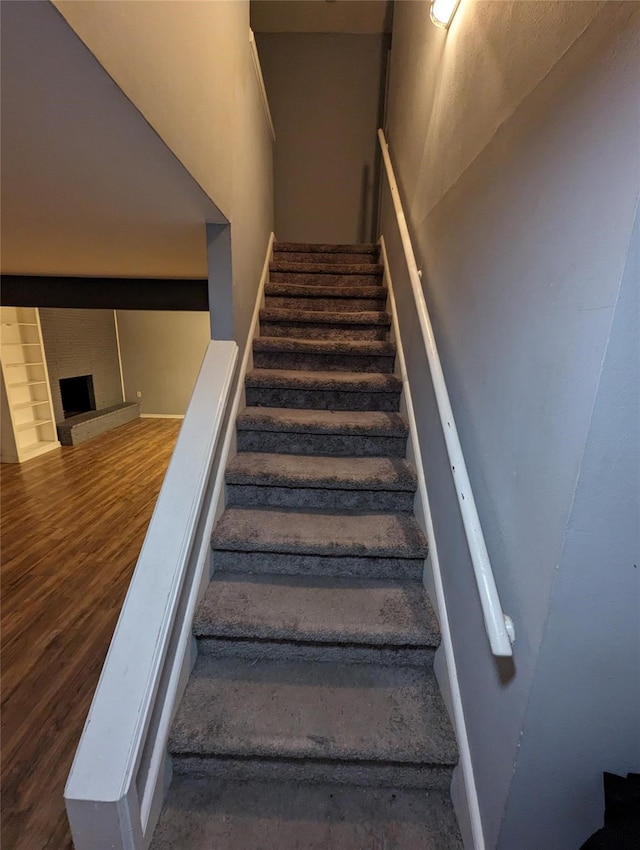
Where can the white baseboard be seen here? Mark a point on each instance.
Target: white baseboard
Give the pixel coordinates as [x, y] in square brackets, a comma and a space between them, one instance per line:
[162, 416]
[464, 793]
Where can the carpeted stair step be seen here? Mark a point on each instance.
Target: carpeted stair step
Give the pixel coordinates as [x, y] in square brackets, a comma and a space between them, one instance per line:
[322, 390]
[302, 252]
[280, 618]
[214, 813]
[313, 324]
[293, 296]
[324, 355]
[320, 483]
[371, 546]
[362, 724]
[322, 432]
[326, 274]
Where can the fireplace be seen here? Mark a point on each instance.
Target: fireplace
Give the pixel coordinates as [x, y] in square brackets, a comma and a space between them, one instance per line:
[77, 395]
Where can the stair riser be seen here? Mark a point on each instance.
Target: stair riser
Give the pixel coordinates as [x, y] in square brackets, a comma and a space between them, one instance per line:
[329, 445]
[252, 496]
[323, 362]
[322, 399]
[290, 564]
[317, 257]
[326, 279]
[336, 305]
[381, 775]
[265, 650]
[324, 330]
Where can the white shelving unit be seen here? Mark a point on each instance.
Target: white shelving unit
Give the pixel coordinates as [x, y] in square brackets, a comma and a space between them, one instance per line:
[28, 423]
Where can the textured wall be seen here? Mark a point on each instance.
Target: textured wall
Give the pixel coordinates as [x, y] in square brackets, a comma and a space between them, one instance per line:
[515, 140]
[324, 91]
[82, 342]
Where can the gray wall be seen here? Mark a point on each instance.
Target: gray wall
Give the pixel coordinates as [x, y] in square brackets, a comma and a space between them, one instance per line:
[82, 342]
[514, 136]
[187, 68]
[161, 355]
[585, 695]
[324, 93]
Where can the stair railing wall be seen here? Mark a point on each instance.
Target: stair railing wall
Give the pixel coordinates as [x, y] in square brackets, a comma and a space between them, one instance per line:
[121, 771]
[499, 626]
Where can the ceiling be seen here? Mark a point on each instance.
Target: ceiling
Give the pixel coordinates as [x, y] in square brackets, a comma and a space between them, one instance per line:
[362, 17]
[88, 187]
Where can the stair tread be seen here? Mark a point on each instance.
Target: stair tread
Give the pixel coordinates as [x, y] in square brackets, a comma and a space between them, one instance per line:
[300, 290]
[376, 348]
[363, 535]
[203, 812]
[354, 422]
[342, 269]
[317, 610]
[325, 317]
[322, 248]
[302, 379]
[341, 473]
[313, 710]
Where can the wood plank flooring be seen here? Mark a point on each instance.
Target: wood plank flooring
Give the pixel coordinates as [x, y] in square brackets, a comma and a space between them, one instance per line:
[73, 522]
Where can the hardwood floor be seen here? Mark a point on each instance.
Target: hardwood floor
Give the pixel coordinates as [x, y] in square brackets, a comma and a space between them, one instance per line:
[73, 522]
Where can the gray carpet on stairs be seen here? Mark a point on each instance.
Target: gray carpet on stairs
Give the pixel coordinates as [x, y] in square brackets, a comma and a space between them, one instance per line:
[323, 355]
[312, 718]
[206, 814]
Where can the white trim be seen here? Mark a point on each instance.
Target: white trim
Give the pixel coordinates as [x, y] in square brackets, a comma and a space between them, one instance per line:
[162, 416]
[263, 91]
[121, 770]
[115, 322]
[450, 684]
[117, 781]
[499, 626]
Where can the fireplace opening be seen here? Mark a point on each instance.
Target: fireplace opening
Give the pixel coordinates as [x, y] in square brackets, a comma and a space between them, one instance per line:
[77, 395]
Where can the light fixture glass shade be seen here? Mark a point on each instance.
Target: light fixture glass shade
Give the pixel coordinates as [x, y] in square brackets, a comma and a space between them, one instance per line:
[442, 12]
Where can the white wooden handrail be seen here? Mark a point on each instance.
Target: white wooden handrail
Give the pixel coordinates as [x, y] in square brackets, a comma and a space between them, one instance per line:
[498, 625]
[263, 89]
[112, 801]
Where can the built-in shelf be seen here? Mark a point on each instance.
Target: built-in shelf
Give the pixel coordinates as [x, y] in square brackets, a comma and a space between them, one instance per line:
[36, 423]
[27, 405]
[21, 335]
[38, 448]
[25, 384]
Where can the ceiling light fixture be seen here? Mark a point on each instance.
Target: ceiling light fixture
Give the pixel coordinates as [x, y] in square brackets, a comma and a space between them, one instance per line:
[442, 12]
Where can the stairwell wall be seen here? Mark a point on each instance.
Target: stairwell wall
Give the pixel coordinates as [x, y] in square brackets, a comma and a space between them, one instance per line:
[161, 353]
[187, 68]
[514, 136]
[325, 91]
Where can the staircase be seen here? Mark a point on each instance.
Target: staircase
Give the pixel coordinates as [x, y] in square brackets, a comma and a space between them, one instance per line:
[312, 718]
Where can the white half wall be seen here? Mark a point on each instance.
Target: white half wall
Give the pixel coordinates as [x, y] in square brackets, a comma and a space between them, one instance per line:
[161, 353]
